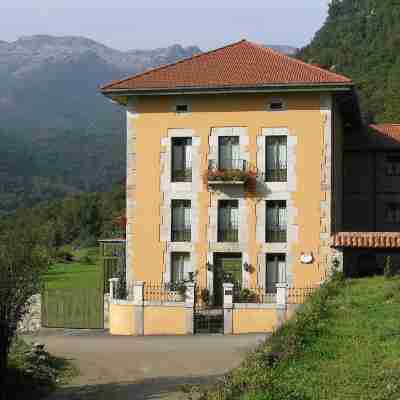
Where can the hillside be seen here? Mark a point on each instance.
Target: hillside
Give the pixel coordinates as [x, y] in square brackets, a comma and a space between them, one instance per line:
[361, 39]
[59, 135]
[343, 344]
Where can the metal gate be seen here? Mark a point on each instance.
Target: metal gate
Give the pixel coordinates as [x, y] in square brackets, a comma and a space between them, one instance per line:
[207, 318]
[80, 308]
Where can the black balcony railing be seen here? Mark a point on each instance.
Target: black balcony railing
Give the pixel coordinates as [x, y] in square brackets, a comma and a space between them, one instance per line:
[276, 175]
[182, 175]
[228, 235]
[181, 235]
[227, 164]
[276, 235]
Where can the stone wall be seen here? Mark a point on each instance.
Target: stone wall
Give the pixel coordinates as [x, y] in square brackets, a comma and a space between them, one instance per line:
[32, 321]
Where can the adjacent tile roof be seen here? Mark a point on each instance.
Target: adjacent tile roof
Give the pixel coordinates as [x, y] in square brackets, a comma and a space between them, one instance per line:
[367, 239]
[377, 137]
[238, 65]
[388, 130]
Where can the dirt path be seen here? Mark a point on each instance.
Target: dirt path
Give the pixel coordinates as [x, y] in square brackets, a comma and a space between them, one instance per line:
[136, 368]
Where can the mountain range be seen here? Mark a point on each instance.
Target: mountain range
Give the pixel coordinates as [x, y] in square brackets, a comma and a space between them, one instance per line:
[59, 134]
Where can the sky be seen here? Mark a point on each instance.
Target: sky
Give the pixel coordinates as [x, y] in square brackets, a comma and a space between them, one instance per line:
[133, 24]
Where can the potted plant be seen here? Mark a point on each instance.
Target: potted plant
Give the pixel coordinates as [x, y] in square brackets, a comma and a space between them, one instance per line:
[178, 290]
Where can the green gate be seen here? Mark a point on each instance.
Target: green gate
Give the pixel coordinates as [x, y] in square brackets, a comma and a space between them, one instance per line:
[78, 308]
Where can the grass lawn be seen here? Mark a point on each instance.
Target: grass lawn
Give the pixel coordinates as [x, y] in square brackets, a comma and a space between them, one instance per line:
[84, 272]
[345, 345]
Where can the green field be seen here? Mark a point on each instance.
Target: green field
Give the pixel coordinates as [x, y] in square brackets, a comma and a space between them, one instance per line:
[85, 271]
[344, 344]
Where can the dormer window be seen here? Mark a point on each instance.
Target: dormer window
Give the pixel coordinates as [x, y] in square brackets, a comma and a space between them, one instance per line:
[181, 108]
[276, 105]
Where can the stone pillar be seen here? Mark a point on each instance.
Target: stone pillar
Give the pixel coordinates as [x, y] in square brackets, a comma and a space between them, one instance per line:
[281, 301]
[113, 287]
[138, 309]
[189, 305]
[228, 308]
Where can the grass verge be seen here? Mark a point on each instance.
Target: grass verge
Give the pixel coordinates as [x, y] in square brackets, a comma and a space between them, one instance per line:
[343, 344]
[33, 377]
[83, 272]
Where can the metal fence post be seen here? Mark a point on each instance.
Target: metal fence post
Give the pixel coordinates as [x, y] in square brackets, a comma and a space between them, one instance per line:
[228, 306]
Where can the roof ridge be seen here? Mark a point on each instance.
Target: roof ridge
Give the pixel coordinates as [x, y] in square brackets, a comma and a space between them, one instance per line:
[161, 67]
[301, 62]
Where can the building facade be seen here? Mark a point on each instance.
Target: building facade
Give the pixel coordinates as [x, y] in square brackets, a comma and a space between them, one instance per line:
[235, 169]
[371, 199]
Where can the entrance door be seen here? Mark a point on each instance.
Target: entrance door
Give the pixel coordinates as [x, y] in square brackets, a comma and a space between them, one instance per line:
[227, 268]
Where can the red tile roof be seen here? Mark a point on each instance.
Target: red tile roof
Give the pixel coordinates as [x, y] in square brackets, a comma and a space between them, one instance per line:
[388, 130]
[367, 239]
[238, 65]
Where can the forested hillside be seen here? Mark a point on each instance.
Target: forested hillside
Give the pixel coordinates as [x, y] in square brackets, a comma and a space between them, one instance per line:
[58, 135]
[73, 220]
[361, 39]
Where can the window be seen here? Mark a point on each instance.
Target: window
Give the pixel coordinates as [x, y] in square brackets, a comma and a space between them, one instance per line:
[229, 153]
[276, 225]
[276, 158]
[276, 271]
[228, 221]
[392, 214]
[181, 160]
[181, 108]
[181, 221]
[393, 165]
[276, 105]
[180, 266]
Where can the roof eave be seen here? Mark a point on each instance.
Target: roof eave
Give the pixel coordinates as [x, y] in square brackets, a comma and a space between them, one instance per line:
[323, 87]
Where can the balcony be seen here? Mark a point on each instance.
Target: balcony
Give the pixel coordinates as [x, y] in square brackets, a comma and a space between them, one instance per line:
[228, 235]
[182, 175]
[181, 234]
[229, 172]
[276, 235]
[276, 175]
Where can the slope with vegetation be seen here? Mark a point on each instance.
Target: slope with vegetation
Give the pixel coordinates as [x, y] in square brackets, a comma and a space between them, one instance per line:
[361, 39]
[343, 344]
[58, 135]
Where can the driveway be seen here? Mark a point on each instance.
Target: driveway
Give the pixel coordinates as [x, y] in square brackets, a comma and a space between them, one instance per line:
[136, 368]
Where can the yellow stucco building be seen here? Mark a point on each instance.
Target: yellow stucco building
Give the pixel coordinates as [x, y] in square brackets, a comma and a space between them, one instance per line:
[234, 169]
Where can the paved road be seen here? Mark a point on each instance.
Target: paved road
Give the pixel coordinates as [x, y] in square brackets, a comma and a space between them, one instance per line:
[142, 368]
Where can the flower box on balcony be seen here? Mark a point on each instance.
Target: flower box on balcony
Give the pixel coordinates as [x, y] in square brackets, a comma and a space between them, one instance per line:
[235, 176]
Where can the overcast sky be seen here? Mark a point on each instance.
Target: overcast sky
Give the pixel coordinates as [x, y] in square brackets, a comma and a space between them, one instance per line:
[133, 24]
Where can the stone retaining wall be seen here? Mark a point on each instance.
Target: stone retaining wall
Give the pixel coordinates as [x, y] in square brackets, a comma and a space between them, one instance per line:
[32, 321]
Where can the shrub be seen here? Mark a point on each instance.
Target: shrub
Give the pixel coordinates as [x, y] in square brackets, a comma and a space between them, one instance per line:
[23, 259]
[86, 259]
[388, 270]
[64, 254]
[247, 296]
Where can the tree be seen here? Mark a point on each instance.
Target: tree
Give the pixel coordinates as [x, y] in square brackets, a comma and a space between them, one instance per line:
[23, 259]
[392, 95]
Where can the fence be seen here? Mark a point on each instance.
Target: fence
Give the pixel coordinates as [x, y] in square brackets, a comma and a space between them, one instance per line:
[258, 295]
[297, 295]
[111, 269]
[73, 308]
[158, 292]
[252, 295]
